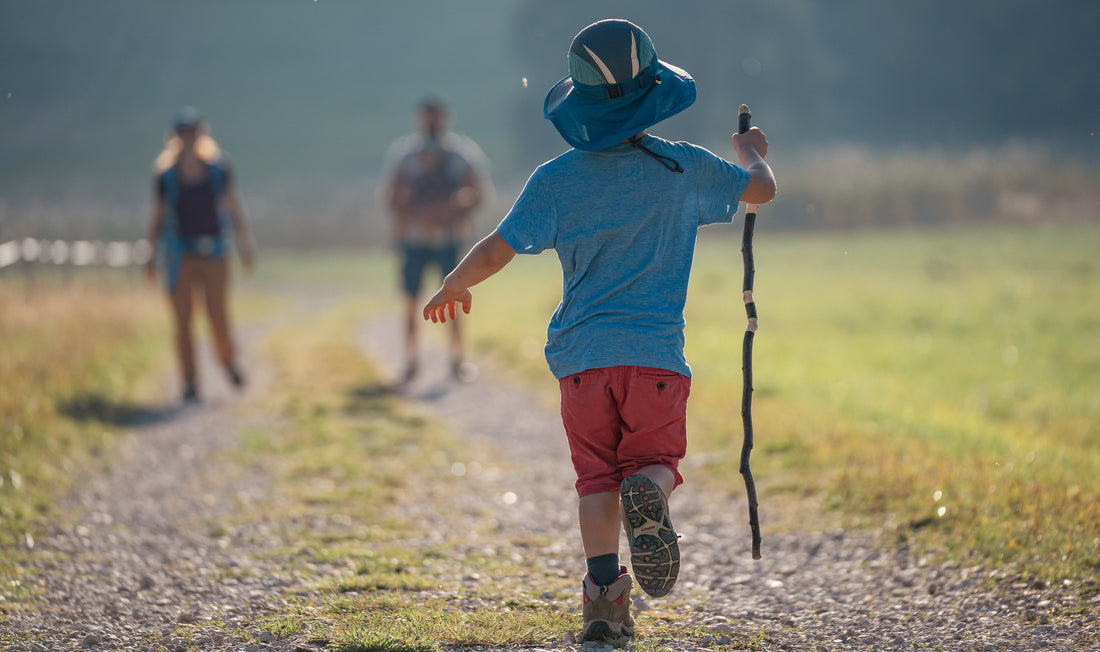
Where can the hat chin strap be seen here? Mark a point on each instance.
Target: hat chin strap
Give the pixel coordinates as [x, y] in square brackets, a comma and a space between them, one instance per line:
[666, 161]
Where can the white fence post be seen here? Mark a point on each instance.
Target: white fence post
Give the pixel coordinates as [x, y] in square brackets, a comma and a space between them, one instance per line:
[79, 253]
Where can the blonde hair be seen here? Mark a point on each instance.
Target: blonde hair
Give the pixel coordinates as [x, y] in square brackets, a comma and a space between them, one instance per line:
[205, 147]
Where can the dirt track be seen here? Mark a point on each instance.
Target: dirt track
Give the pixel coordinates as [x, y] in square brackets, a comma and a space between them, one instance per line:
[149, 544]
[830, 590]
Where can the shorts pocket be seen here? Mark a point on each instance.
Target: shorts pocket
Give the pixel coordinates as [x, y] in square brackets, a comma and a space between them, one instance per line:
[664, 381]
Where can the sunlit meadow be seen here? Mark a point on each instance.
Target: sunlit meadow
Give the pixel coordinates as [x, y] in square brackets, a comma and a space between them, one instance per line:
[942, 385]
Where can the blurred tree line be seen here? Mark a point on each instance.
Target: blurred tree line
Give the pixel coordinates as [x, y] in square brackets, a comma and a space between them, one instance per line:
[939, 72]
[307, 94]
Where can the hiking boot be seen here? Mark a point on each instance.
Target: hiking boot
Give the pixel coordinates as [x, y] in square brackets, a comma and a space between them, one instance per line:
[654, 546]
[606, 609]
[190, 393]
[235, 375]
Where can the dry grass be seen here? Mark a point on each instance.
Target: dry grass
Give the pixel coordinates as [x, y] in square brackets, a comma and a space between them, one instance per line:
[77, 355]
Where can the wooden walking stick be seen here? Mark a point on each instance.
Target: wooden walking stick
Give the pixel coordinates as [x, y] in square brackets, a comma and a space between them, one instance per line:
[743, 116]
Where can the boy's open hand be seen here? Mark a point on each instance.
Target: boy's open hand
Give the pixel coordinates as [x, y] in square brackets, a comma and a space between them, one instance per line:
[443, 304]
[486, 258]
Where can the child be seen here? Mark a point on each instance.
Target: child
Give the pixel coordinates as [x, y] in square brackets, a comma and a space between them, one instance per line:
[621, 210]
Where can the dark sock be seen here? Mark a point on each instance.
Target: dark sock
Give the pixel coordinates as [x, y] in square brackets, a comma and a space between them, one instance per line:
[604, 569]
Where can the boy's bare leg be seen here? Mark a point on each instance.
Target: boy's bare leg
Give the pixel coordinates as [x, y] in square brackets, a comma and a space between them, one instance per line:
[600, 519]
[600, 523]
[661, 475]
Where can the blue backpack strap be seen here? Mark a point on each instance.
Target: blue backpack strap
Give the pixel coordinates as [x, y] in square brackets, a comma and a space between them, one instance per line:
[219, 178]
[170, 250]
[170, 180]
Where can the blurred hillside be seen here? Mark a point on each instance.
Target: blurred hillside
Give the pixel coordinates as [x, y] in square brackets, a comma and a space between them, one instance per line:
[307, 94]
[295, 90]
[887, 74]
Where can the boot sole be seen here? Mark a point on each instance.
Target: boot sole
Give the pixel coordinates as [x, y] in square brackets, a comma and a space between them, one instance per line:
[654, 546]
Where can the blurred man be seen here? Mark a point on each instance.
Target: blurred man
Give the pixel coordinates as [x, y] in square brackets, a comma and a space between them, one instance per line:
[436, 180]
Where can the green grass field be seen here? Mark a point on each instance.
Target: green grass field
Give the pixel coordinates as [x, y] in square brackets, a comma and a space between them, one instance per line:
[944, 384]
[941, 387]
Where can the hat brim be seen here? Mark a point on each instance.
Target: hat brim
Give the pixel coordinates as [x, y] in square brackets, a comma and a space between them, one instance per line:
[591, 125]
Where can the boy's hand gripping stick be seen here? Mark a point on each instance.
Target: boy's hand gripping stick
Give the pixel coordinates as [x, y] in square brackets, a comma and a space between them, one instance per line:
[743, 117]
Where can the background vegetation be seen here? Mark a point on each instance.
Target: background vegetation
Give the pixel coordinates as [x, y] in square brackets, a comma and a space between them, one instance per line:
[307, 95]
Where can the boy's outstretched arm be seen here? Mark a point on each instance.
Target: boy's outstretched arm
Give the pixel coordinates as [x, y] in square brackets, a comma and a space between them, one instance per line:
[486, 258]
[751, 148]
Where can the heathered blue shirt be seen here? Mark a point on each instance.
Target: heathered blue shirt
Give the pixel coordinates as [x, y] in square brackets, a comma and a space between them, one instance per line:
[624, 227]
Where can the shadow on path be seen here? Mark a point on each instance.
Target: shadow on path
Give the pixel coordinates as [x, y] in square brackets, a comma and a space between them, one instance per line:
[110, 411]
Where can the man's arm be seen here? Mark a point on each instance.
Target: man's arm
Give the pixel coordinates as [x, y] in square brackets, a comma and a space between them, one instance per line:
[486, 258]
[463, 203]
[468, 197]
[751, 148]
[399, 202]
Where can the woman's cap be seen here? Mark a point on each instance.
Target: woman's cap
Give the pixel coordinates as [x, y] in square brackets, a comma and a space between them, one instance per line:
[616, 87]
[186, 118]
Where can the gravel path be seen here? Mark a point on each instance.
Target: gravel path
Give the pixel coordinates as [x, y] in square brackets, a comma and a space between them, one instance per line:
[831, 590]
[154, 542]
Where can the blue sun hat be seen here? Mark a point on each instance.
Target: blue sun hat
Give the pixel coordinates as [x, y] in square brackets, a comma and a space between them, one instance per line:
[616, 87]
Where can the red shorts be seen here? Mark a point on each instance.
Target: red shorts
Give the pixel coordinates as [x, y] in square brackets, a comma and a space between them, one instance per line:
[622, 419]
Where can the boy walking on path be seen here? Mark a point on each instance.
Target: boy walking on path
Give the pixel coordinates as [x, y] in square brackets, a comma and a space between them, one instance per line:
[621, 210]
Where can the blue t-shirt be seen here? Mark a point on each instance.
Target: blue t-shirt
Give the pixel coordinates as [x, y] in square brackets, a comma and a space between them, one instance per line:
[624, 227]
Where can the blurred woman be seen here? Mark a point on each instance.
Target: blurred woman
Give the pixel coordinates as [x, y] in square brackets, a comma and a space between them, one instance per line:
[196, 217]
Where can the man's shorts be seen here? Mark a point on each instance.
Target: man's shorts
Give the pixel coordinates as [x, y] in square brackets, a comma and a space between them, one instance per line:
[418, 257]
[621, 419]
